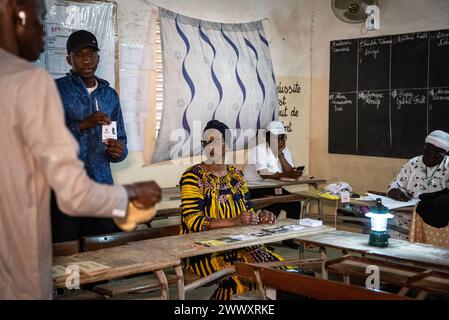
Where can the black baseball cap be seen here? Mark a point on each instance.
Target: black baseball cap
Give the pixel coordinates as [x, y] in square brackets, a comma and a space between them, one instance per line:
[81, 39]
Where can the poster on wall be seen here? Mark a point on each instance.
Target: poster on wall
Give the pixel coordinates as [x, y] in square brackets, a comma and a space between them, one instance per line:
[65, 17]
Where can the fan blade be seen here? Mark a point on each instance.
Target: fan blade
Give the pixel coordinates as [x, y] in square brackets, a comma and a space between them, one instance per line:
[369, 2]
[359, 16]
[342, 4]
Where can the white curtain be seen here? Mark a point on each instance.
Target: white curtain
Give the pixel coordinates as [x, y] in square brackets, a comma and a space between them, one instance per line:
[212, 71]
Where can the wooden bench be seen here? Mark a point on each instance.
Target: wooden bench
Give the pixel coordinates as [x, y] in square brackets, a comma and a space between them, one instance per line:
[401, 275]
[121, 238]
[307, 286]
[430, 281]
[66, 248]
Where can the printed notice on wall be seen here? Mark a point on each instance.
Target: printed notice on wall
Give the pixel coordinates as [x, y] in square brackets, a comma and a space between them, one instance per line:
[65, 17]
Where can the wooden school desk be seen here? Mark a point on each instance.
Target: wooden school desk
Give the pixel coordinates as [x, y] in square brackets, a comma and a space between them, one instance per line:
[402, 251]
[314, 195]
[157, 254]
[185, 246]
[122, 261]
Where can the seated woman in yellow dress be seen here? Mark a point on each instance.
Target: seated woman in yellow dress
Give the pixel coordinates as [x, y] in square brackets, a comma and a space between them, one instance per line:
[214, 195]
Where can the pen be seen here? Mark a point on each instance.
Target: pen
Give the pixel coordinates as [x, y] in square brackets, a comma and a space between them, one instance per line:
[402, 189]
[96, 105]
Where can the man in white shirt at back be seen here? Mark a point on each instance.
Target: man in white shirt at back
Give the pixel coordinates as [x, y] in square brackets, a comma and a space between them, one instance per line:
[271, 158]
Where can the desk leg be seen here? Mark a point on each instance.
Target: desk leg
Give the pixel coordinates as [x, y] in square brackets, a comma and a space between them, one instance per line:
[163, 283]
[304, 211]
[403, 291]
[323, 263]
[180, 280]
[301, 251]
[422, 295]
[320, 209]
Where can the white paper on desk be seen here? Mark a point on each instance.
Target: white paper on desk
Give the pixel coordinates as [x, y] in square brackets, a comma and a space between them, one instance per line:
[242, 237]
[293, 227]
[392, 204]
[310, 222]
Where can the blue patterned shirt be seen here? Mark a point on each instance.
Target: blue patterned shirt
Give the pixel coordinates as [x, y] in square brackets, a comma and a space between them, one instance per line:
[78, 105]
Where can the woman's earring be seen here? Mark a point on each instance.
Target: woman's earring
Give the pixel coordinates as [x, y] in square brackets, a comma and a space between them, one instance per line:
[23, 17]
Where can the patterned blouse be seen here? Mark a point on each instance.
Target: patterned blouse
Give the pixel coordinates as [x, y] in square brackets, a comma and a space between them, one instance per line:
[417, 178]
[205, 197]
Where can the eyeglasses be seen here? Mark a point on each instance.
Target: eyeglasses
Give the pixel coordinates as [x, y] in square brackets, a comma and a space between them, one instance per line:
[84, 56]
[282, 137]
[432, 150]
[213, 141]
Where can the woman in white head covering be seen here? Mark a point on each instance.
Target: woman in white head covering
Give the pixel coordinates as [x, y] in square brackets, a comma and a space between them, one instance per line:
[423, 174]
[426, 173]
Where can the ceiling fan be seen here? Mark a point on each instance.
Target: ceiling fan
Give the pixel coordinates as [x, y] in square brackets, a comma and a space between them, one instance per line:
[353, 11]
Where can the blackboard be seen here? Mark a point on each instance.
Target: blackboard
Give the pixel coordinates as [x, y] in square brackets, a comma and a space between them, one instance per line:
[387, 93]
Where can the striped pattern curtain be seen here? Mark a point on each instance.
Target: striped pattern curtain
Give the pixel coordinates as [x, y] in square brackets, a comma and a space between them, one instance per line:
[212, 71]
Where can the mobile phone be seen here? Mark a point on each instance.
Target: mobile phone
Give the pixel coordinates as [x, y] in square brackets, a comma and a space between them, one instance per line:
[300, 168]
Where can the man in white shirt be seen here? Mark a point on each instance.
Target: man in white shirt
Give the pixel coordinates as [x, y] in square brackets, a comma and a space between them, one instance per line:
[38, 153]
[272, 159]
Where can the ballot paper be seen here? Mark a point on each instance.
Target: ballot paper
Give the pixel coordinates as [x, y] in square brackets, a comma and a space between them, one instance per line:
[227, 240]
[261, 234]
[293, 227]
[109, 131]
[212, 243]
[283, 229]
[310, 222]
[276, 230]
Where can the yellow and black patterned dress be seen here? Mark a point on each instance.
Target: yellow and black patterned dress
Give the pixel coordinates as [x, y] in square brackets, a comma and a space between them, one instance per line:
[205, 197]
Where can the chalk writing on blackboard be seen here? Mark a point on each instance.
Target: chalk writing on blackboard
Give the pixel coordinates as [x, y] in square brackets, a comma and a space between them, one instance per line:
[338, 100]
[439, 94]
[392, 87]
[443, 39]
[371, 98]
[341, 46]
[407, 97]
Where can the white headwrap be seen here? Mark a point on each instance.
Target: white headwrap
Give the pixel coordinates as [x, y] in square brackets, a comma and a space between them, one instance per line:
[439, 139]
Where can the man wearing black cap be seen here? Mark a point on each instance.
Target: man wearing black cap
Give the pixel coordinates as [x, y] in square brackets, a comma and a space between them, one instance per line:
[40, 153]
[89, 104]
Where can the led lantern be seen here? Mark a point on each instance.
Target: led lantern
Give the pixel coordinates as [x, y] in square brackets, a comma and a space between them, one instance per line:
[379, 223]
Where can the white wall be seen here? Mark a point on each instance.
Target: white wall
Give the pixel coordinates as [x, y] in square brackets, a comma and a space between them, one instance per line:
[288, 27]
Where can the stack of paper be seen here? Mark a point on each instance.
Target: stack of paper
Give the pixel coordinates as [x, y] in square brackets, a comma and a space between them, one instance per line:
[392, 204]
[310, 222]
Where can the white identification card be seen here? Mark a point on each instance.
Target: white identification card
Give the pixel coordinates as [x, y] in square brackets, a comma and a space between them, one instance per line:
[345, 197]
[109, 131]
